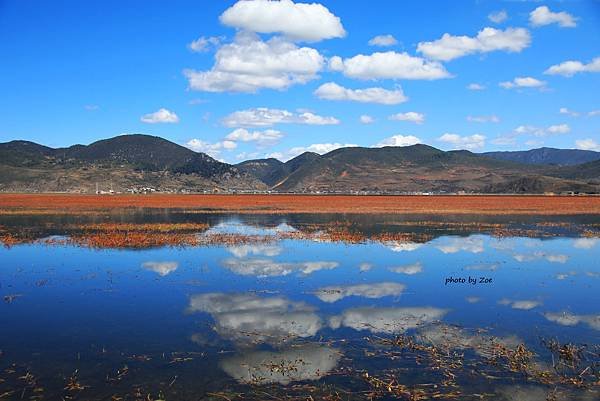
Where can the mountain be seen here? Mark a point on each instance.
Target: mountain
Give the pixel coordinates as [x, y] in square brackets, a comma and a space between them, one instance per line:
[422, 168]
[561, 157]
[272, 171]
[124, 163]
[138, 162]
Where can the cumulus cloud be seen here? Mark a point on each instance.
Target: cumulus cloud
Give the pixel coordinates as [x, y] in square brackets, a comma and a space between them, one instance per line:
[366, 119]
[410, 270]
[388, 65]
[374, 290]
[469, 244]
[320, 148]
[572, 67]
[160, 116]
[304, 362]
[398, 246]
[249, 64]
[585, 243]
[475, 87]
[449, 47]
[245, 318]
[523, 82]
[497, 17]
[399, 140]
[161, 268]
[271, 268]
[452, 337]
[387, 320]
[543, 16]
[532, 130]
[266, 117]
[333, 91]
[524, 304]
[483, 119]
[587, 144]
[411, 116]
[213, 149]
[383, 41]
[570, 319]
[262, 138]
[471, 142]
[204, 43]
[550, 257]
[564, 110]
[241, 251]
[310, 22]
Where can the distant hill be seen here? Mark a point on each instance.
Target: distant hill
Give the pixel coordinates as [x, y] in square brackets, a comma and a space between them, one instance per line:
[560, 157]
[123, 162]
[138, 162]
[422, 168]
[273, 171]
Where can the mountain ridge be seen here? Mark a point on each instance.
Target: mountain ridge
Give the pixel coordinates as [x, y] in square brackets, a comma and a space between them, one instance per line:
[138, 162]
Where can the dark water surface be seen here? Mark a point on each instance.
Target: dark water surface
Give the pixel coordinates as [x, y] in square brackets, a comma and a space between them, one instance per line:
[306, 318]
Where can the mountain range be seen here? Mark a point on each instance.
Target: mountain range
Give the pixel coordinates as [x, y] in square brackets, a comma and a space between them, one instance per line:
[141, 163]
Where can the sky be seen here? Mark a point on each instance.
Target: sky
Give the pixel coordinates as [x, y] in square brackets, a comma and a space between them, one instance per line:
[261, 78]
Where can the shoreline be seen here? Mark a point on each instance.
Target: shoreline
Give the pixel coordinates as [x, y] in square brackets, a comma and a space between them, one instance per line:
[11, 204]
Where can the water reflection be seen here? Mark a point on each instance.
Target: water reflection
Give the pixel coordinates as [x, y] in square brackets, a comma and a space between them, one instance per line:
[294, 301]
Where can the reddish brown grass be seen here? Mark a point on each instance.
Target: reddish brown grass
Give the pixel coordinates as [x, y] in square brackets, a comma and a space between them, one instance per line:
[507, 204]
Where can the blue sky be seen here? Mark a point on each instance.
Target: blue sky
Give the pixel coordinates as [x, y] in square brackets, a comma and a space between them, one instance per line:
[257, 78]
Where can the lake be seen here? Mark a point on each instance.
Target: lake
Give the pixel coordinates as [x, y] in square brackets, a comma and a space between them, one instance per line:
[166, 305]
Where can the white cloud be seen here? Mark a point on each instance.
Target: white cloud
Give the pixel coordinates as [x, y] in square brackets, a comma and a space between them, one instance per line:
[161, 268]
[160, 116]
[523, 82]
[572, 67]
[413, 117]
[483, 119]
[475, 87]
[383, 41]
[366, 119]
[212, 149]
[298, 363]
[564, 110]
[320, 148]
[399, 140]
[524, 304]
[470, 244]
[570, 319]
[271, 268]
[587, 144]
[387, 320]
[411, 269]
[265, 117]
[550, 257]
[247, 318]
[91, 107]
[472, 142]
[299, 21]
[498, 17]
[543, 131]
[241, 251]
[372, 291]
[333, 91]
[402, 246]
[204, 43]
[449, 47]
[249, 64]
[262, 138]
[543, 16]
[593, 113]
[585, 243]
[388, 65]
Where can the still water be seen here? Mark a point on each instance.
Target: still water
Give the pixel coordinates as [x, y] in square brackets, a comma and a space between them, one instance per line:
[411, 307]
